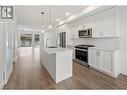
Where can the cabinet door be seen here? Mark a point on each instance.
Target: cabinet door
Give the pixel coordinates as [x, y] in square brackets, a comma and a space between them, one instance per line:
[86, 23]
[94, 59]
[108, 23]
[96, 22]
[106, 61]
[75, 32]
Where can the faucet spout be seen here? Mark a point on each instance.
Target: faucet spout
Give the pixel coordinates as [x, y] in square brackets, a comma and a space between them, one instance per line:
[47, 42]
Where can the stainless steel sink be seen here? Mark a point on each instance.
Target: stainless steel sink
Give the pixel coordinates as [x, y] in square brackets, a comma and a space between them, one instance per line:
[52, 47]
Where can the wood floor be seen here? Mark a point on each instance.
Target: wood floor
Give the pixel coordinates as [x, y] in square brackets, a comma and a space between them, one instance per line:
[29, 73]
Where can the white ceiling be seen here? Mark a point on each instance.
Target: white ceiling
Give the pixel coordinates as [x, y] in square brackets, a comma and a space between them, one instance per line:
[31, 15]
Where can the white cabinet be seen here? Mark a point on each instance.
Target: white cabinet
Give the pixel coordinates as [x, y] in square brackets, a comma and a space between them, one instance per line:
[74, 32]
[104, 23]
[87, 23]
[96, 21]
[95, 62]
[109, 23]
[104, 60]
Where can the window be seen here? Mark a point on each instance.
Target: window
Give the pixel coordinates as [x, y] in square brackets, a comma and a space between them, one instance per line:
[25, 40]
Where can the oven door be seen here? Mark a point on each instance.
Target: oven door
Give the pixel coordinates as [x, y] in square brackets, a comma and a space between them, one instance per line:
[81, 54]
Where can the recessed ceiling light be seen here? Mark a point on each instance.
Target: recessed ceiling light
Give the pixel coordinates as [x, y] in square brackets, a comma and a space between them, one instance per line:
[57, 19]
[67, 14]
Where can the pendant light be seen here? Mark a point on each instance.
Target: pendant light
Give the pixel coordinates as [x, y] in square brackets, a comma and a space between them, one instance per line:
[50, 18]
[42, 13]
[42, 26]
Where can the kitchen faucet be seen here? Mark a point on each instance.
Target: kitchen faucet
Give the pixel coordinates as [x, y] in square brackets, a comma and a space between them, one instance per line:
[47, 42]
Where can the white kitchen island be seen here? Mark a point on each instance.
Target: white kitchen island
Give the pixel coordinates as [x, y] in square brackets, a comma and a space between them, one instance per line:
[58, 62]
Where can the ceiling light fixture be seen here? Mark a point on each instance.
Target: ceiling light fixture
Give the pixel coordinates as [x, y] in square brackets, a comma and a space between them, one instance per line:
[42, 13]
[67, 14]
[50, 18]
[50, 27]
[42, 26]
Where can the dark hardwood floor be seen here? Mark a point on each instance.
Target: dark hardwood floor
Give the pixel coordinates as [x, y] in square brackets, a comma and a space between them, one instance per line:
[29, 73]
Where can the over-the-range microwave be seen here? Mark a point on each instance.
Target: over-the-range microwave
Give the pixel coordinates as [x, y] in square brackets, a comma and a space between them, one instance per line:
[87, 33]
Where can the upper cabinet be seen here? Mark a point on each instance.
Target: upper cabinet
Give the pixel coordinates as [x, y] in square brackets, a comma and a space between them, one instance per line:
[96, 25]
[109, 23]
[104, 23]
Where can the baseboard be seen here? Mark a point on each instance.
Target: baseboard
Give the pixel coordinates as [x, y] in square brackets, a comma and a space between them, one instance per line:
[8, 74]
[15, 59]
[106, 73]
[123, 74]
[2, 85]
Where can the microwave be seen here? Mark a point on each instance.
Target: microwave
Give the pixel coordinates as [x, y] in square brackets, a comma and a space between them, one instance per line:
[87, 33]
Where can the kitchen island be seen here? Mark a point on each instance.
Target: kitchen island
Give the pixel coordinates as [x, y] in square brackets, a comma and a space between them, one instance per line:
[58, 62]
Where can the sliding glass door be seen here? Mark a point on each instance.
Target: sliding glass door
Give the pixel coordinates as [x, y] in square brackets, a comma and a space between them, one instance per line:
[29, 40]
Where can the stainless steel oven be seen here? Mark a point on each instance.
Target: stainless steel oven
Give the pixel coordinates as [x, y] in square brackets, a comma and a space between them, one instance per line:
[81, 54]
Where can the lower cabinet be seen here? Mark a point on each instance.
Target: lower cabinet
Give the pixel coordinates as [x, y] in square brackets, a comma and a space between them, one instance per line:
[104, 60]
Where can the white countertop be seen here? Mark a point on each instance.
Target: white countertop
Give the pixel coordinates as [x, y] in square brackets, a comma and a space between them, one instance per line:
[56, 50]
[107, 49]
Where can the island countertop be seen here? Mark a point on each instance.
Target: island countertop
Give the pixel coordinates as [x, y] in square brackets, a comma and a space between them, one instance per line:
[56, 50]
[58, 62]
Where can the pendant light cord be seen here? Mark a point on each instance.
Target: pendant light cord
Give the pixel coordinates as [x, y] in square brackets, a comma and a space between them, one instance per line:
[50, 15]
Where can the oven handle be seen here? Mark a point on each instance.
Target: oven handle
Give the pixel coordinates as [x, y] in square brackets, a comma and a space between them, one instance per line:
[81, 49]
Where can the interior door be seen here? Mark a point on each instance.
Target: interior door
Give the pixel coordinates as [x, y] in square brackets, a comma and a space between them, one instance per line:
[9, 48]
[1, 56]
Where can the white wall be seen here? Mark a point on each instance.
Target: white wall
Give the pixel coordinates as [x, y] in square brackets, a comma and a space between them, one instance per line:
[123, 38]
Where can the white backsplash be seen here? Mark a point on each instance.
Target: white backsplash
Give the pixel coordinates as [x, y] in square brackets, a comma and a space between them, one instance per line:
[99, 42]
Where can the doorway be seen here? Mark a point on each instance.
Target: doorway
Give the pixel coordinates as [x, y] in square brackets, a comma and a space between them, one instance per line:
[29, 40]
[36, 40]
[25, 40]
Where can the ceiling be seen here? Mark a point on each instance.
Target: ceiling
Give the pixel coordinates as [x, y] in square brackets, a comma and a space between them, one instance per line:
[31, 15]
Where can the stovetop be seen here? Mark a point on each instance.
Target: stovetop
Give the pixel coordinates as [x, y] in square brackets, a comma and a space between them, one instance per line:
[84, 46]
